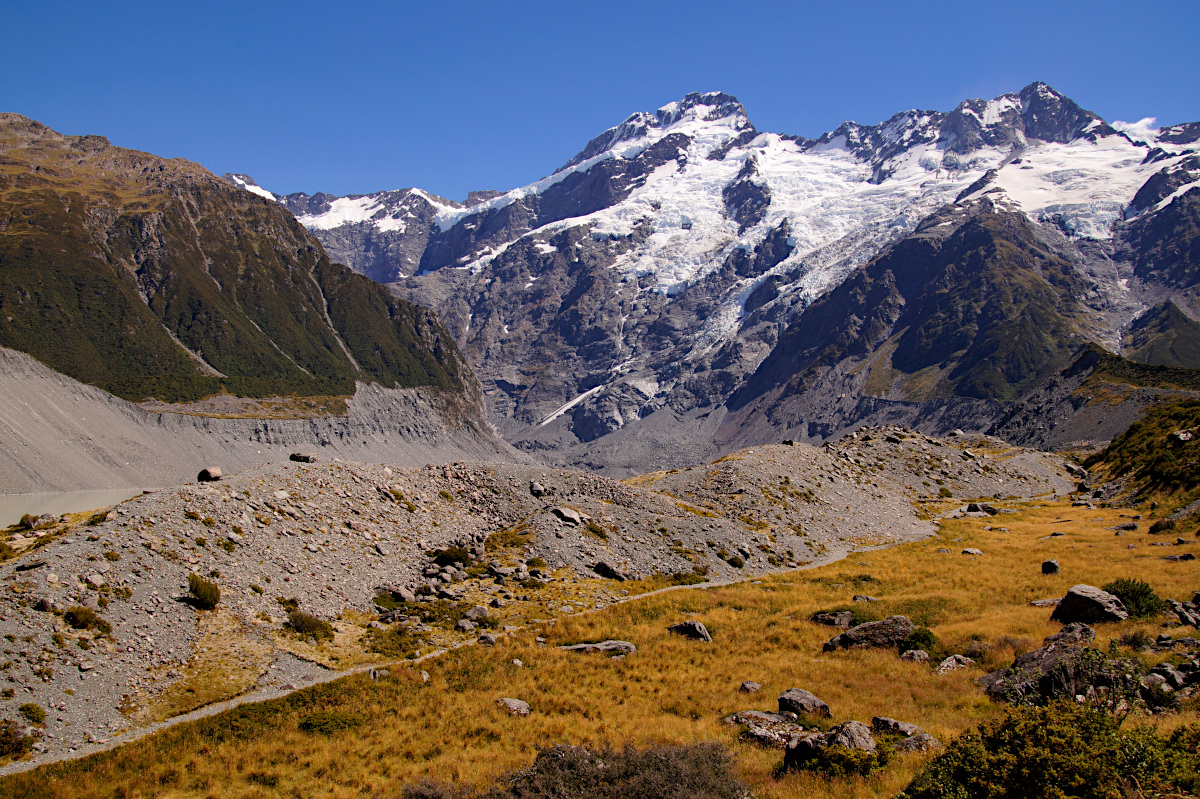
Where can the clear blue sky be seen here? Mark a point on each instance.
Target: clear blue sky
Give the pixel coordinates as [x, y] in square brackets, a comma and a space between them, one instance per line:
[450, 96]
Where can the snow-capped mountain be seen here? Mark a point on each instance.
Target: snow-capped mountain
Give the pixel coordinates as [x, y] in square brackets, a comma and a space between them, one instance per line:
[639, 286]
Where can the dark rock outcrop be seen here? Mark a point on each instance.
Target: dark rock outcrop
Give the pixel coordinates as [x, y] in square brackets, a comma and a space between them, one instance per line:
[1088, 604]
[886, 633]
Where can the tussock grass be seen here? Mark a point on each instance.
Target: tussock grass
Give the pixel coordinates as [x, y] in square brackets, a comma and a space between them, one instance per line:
[672, 690]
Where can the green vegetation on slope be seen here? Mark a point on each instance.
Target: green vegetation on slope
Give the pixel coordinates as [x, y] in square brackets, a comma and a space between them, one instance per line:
[117, 267]
[1154, 463]
[1164, 336]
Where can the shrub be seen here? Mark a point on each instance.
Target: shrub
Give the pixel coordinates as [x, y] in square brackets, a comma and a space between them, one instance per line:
[205, 595]
[1060, 750]
[289, 603]
[840, 761]
[1136, 639]
[82, 618]
[596, 530]
[309, 625]
[921, 638]
[945, 492]
[694, 771]
[112, 556]
[736, 562]
[35, 713]
[14, 742]
[536, 563]
[327, 722]
[451, 555]
[686, 578]
[1162, 526]
[1138, 597]
[394, 643]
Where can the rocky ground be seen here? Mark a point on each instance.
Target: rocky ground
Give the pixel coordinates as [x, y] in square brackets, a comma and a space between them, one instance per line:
[354, 545]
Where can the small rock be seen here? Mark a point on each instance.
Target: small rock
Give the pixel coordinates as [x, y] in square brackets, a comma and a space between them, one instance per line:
[842, 619]
[1074, 633]
[477, 613]
[515, 707]
[235, 538]
[568, 515]
[1050, 567]
[750, 687]
[953, 663]
[608, 572]
[864, 598]
[604, 647]
[916, 656]
[691, 629]
[465, 625]
[488, 639]
[803, 703]
[209, 474]
[303, 457]
[880, 634]
[537, 489]
[972, 551]
[921, 742]
[885, 726]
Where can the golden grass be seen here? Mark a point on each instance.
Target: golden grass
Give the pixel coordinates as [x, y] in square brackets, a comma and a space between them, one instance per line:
[672, 690]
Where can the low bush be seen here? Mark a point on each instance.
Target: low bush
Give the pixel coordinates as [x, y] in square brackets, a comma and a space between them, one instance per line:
[921, 638]
[205, 595]
[36, 714]
[82, 618]
[841, 761]
[308, 625]
[690, 771]
[14, 742]
[1137, 596]
[326, 722]
[1162, 526]
[1060, 750]
[451, 555]
[394, 643]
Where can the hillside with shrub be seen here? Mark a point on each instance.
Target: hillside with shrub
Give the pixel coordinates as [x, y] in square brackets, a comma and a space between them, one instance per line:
[152, 278]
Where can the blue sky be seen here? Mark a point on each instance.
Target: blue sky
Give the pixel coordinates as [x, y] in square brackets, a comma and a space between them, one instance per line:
[453, 96]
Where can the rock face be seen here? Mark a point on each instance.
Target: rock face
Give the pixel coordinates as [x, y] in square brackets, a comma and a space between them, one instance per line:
[1088, 604]
[803, 703]
[886, 633]
[691, 629]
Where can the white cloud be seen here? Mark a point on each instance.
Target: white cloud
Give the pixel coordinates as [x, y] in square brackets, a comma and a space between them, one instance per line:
[1142, 130]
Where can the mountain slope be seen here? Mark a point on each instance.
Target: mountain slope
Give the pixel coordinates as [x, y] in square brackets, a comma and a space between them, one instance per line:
[151, 277]
[641, 285]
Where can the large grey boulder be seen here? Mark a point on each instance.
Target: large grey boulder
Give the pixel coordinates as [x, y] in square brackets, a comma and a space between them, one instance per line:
[209, 474]
[1076, 633]
[850, 734]
[921, 742]
[803, 703]
[568, 515]
[515, 707]
[1059, 670]
[1089, 604]
[887, 633]
[604, 648]
[691, 629]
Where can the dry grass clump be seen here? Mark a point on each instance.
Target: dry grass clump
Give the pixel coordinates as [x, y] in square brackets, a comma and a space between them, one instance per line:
[672, 691]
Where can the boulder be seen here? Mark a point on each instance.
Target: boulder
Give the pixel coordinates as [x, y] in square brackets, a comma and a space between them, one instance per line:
[1050, 567]
[972, 551]
[691, 629]
[1089, 604]
[515, 707]
[209, 474]
[536, 489]
[803, 703]
[886, 726]
[1076, 633]
[887, 633]
[568, 515]
[750, 687]
[465, 625]
[921, 742]
[477, 613]
[488, 639]
[1181, 557]
[772, 730]
[850, 734]
[864, 598]
[843, 619]
[953, 663]
[604, 648]
[1053, 672]
[44, 605]
[608, 572]
[1188, 612]
[916, 656]
[303, 457]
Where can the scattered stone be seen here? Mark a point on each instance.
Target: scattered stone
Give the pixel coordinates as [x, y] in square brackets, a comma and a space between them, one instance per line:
[604, 648]
[488, 639]
[749, 687]
[1050, 567]
[953, 663]
[465, 625]
[771, 730]
[1052, 672]
[608, 572]
[515, 707]
[691, 629]
[803, 703]
[1045, 603]
[886, 633]
[303, 457]
[864, 598]
[972, 551]
[850, 734]
[1181, 557]
[885, 726]
[1086, 603]
[842, 619]
[209, 474]
[537, 489]
[477, 613]
[921, 742]
[943, 550]
[915, 655]
[1076, 633]
[44, 605]
[568, 515]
